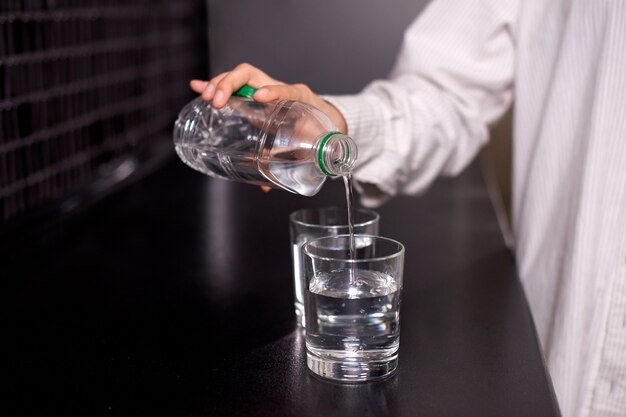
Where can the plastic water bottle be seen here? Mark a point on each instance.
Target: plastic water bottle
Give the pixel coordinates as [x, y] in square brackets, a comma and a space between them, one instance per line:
[286, 144]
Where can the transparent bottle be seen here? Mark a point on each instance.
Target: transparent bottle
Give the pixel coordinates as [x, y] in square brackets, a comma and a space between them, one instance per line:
[286, 144]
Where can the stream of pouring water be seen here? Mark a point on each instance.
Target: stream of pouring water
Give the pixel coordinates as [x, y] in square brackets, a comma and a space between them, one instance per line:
[347, 180]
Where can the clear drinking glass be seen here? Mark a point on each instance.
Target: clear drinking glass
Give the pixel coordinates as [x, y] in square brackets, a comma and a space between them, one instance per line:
[352, 306]
[307, 224]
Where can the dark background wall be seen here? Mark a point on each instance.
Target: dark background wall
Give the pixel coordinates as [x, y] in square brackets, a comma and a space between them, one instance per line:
[334, 46]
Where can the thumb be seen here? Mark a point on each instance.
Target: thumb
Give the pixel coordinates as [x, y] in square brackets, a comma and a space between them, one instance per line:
[278, 92]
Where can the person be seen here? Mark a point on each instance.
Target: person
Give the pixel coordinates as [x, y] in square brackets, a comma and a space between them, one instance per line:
[459, 68]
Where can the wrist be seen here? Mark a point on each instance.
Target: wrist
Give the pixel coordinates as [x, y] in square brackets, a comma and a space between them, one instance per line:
[336, 116]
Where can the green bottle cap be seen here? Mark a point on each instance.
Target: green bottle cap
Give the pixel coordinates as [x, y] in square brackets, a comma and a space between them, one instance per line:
[320, 154]
[245, 91]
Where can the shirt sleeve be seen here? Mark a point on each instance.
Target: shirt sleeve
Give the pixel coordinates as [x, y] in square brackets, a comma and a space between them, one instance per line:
[452, 79]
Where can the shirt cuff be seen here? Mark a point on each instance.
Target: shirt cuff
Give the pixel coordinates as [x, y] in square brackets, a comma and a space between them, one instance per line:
[374, 174]
[363, 118]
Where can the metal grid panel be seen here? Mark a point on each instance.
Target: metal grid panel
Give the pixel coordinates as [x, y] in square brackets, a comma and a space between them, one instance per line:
[84, 83]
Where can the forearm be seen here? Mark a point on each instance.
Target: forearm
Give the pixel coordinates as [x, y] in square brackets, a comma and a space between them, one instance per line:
[452, 79]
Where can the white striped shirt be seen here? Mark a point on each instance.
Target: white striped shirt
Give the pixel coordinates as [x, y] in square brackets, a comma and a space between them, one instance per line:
[564, 61]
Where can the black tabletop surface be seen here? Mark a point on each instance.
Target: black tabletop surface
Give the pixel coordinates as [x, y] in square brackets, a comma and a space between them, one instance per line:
[174, 297]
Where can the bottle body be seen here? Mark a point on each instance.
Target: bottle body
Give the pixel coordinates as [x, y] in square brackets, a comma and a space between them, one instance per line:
[283, 145]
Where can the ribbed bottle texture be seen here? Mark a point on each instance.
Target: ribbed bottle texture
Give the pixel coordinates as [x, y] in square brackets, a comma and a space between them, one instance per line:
[288, 145]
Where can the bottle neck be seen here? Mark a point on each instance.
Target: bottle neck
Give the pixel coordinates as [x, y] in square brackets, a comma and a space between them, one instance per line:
[336, 154]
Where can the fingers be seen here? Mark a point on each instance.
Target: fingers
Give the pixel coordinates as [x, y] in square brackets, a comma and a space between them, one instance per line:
[198, 85]
[280, 92]
[219, 89]
[300, 92]
[205, 88]
[233, 80]
[209, 91]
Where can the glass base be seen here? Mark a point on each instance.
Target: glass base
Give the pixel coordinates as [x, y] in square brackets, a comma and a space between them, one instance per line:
[352, 371]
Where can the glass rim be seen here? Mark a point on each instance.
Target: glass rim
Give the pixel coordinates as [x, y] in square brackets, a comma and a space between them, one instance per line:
[376, 217]
[354, 261]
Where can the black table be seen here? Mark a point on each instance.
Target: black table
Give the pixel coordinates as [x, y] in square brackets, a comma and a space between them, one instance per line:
[174, 297]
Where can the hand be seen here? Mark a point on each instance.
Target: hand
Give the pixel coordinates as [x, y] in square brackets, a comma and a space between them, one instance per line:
[220, 88]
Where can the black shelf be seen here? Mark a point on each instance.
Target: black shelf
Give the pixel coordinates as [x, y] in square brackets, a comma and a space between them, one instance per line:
[174, 295]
